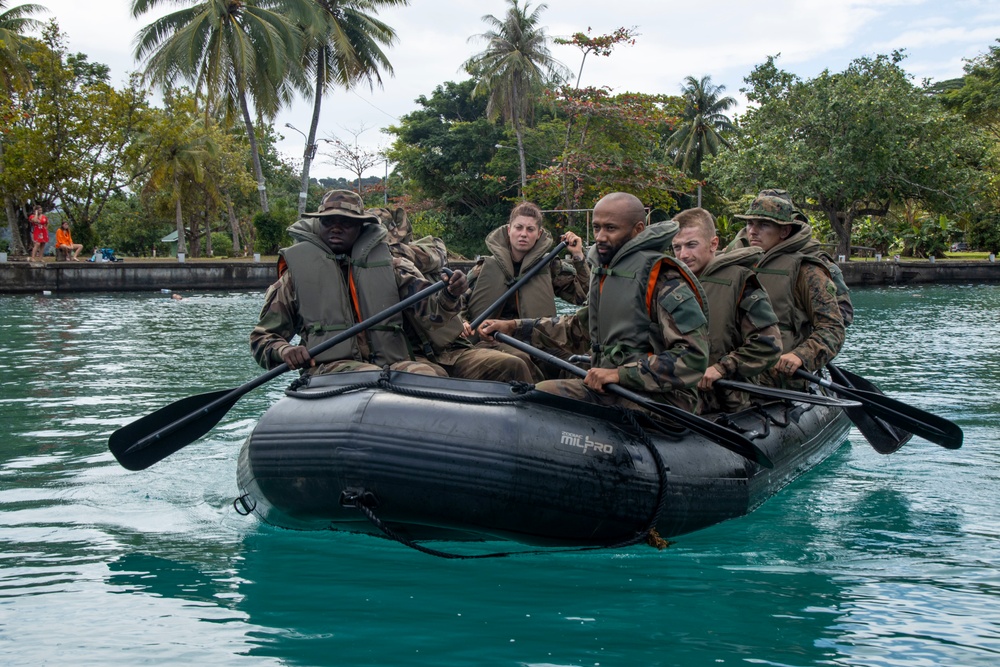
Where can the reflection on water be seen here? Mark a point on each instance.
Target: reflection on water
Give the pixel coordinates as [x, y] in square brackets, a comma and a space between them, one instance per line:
[869, 560]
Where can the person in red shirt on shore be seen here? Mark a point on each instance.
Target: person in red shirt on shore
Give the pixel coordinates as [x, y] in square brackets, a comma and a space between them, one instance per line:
[39, 233]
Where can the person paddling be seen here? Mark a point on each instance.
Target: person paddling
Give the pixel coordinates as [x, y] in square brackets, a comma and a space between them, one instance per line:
[338, 273]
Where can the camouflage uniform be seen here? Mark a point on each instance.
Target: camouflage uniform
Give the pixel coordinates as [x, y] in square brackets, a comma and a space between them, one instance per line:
[814, 248]
[568, 280]
[806, 304]
[744, 332]
[281, 320]
[677, 331]
[457, 358]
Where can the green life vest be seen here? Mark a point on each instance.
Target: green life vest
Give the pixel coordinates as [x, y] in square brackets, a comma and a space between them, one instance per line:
[622, 327]
[536, 298]
[724, 280]
[778, 272]
[325, 303]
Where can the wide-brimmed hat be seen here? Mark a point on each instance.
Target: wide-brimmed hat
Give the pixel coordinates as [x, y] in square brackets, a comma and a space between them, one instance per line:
[797, 214]
[344, 203]
[771, 208]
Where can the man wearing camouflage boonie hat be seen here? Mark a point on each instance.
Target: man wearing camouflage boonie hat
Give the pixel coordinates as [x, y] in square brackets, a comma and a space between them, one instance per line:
[338, 273]
[798, 284]
[814, 248]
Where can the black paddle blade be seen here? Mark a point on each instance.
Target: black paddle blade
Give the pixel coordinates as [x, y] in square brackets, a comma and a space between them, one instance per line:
[903, 417]
[882, 436]
[138, 445]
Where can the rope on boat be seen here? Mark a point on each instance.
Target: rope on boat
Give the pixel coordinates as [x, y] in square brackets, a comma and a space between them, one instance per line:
[519, 391]
[366, 502]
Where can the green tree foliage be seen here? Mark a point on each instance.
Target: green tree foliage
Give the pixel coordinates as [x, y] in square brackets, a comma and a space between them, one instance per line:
[978, 96]
[702, 126]
[443, 151]
[851, 144]
[616, 147]
[513, 68]
[236, 52]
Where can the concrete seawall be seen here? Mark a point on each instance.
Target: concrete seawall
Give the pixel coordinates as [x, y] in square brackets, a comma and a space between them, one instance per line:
[139, 276]
[134, 276]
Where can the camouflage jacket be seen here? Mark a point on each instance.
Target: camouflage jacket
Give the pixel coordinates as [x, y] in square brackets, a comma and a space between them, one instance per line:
[679, 367]
[280, 322]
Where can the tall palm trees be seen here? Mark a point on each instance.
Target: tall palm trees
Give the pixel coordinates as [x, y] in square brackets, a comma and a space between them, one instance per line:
[514, 64]
[342, 48]
[702, 125]
[233, 50]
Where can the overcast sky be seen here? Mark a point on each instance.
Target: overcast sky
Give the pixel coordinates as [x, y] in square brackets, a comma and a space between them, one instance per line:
[724, 39]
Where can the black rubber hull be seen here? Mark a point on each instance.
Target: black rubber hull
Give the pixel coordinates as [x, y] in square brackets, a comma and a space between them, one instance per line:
[542, 471]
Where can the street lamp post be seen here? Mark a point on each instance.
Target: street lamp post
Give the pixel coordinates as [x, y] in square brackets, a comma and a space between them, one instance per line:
[307, 156]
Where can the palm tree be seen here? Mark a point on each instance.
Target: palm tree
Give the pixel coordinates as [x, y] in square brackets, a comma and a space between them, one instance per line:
[234, 50]
[702, 125]
[515, 63]
[182, 147]
[341, 49]
[14, 22]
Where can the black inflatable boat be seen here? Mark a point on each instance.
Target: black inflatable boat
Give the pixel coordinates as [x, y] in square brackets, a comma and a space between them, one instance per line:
[420, 458]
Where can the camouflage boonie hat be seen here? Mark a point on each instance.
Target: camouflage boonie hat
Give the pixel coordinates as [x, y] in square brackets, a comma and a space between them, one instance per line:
[400, 230]
[773, 209]
[344, 203]
[783, 194]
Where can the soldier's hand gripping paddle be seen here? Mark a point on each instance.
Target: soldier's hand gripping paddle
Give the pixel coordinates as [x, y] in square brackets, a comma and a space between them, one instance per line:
[877, 407]
[529, 274]
[159, 434]
[720, 435]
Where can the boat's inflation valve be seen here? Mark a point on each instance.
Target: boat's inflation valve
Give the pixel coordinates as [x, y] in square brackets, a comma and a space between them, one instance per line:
[357, 498]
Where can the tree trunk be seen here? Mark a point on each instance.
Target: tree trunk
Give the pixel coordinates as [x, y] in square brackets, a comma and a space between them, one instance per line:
[841, 223]
[255, 156]
[209, 250]
[234, 225]
[179, 218]
[16, 245]
[520, 154]
[310, 150]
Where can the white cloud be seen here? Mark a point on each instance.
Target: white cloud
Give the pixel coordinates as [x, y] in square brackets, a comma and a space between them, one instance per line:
[724, 39]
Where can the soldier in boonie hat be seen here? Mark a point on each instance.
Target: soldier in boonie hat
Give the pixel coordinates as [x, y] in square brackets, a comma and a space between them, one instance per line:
[783, 194]
[771, 208]
[344, 203]
[396, 222]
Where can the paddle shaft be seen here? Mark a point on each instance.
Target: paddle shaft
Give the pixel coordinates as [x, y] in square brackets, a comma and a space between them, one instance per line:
[786, 394]
[231, 397]
[528, 275]
[731, 440]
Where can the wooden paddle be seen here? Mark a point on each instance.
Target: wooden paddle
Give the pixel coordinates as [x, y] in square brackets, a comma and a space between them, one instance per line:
[161, 433]
[528, 275]
[903, 417]
[725, 437]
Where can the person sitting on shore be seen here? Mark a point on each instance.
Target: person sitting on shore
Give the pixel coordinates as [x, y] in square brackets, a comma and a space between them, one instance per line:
[64, 241]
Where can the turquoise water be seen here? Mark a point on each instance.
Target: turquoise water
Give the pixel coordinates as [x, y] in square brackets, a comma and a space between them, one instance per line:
[867, 560]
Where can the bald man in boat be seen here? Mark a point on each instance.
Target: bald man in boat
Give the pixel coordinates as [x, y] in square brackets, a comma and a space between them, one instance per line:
[338, 273]
[745, 340]
[646, 321]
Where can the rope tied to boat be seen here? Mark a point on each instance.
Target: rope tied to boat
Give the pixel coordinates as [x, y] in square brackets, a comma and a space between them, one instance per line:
[519, 392]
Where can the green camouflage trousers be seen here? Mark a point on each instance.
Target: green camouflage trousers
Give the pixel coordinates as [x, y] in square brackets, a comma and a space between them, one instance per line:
[575, 389]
